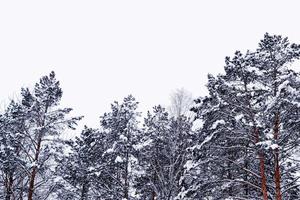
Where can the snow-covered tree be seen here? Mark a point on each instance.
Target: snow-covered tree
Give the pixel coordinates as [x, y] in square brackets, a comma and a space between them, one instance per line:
[280, 113]
[13, 167]
[239, 115]
[83, 168]
[121, 129]
[227, 142]
[163, 152]
[243, 144]
[45, 121]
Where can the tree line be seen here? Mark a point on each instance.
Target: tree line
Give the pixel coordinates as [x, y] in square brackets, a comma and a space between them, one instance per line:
[241, 142]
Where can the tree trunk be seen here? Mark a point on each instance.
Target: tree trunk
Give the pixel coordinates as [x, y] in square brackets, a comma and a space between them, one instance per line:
[153, 197]
[263, 176]
[31, 183]
[126, 182]
[10, 180]
[9, 185]
[21, 190]
[262, 169]
[246, 163]
[229, 177]
[34, 169]
[277, 174]
[84, 191]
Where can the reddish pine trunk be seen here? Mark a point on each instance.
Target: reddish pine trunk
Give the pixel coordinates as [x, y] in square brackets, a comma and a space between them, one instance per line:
[34, 169]
[263, 176]
[277, 177]
[31, 183]
[262, 169]
[277, 173]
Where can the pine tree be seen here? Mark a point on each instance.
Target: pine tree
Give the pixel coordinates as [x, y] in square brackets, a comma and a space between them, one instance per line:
[281, 108]
[45, 122]
[12, 137]
[228, 136]
[83, 167]
[237, 122]
[120, 126]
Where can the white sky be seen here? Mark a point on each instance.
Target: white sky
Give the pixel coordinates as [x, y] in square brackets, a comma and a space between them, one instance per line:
[103, 50]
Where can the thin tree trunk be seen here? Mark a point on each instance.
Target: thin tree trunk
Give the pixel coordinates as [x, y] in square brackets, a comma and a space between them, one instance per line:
[246, 163]
[126, 183]
[229, 177]
[10, 181]
[262, 169]
[36, 156]
[263, 176]
[21, 190]
[277, 174]
[153, 197]
[264, 189]
[84, 191]
[9, 185]
[34, 169]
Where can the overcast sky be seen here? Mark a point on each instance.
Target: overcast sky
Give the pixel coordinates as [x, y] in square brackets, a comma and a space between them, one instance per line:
[102, 51]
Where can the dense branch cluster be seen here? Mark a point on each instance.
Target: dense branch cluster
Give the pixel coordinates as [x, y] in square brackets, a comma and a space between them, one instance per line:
[242, 141]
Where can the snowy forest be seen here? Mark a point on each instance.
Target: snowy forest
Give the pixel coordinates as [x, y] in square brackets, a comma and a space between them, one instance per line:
[241, 141]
